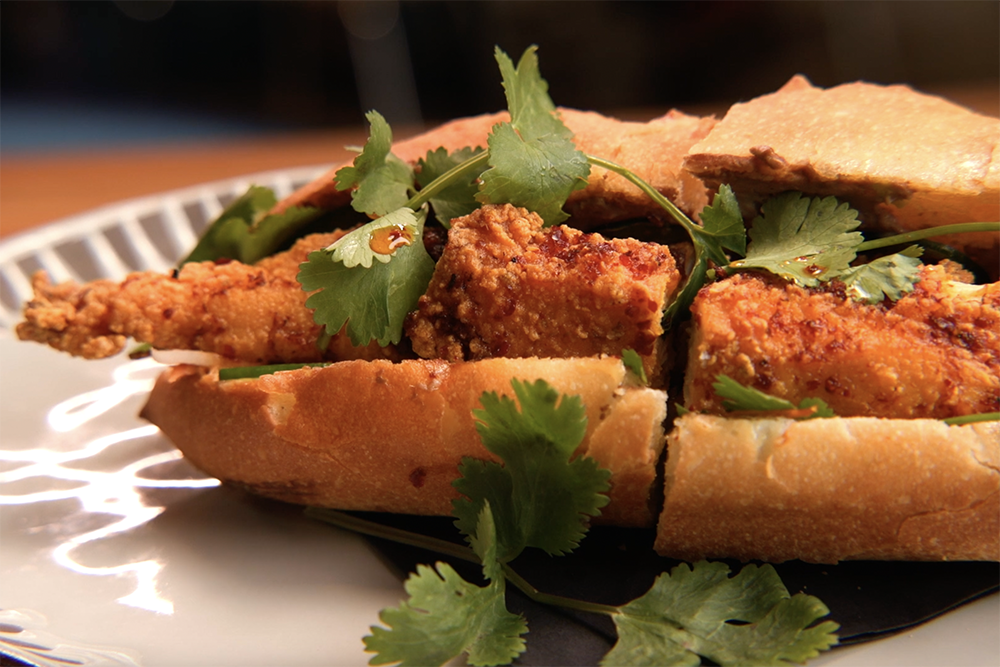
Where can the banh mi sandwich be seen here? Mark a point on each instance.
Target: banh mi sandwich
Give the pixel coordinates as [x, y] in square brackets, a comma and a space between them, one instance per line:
[834, 395]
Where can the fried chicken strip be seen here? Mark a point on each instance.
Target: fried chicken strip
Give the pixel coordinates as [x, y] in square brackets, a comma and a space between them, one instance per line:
[506, 287]
[249, 314]
[935, 353]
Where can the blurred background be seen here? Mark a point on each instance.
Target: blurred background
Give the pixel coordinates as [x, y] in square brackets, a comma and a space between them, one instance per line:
[88, 77]
[93, 73]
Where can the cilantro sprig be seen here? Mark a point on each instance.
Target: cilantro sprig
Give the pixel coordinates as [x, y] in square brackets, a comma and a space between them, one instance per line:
[739, 398]
[533, 160]
[542, 494]
[692, 611]
[446, 616]
[369, 292]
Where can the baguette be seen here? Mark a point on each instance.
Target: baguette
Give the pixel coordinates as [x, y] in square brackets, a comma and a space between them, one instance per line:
[826, 490]
[654, 150]
[374, 434]
[388, 437]
[903, 159]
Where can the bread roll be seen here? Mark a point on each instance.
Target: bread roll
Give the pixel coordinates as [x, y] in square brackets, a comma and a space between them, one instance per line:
[904, 159]
[654, 151]
[826, 490]
[389, 437]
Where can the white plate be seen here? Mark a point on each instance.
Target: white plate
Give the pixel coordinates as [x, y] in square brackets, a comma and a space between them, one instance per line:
[115, 551]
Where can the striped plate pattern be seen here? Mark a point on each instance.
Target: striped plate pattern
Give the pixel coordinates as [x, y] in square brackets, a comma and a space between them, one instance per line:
[145, 234]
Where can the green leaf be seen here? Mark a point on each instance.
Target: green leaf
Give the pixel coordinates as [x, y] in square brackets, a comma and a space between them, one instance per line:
[721, 229]
[804, 240]
[379, 240]
[374, 301]
[748, 619]
[533, 160]
[457, 199]
[633, 362]
[890, 276]
[541, 496]
[383, 182]
[738, 397]
[244, 231]
[447, 616]
[722, 226]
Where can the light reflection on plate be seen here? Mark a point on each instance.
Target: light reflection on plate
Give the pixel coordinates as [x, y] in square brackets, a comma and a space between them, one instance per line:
[114, 549]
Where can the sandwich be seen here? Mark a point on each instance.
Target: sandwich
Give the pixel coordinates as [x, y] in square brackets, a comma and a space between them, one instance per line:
[838, 402]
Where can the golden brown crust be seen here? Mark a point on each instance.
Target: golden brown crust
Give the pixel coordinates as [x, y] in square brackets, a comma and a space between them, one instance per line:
[935, 353]
[389, 437]
[826, 490]
[904, 159]
[654, 151]
[505, 286]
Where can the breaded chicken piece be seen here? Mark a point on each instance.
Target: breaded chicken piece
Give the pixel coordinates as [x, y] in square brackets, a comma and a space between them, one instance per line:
[905, 160]
[653, 150]
[506, 287]
[935, 353]
[249, 314]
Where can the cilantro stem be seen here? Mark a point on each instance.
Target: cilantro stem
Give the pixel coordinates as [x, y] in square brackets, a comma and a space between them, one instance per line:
[375, 529]
[444, 547]
[650, 191]
[250, 372]
[447, 178]
[556, 600]
[898, 239]
[698, 274]
[972, 419]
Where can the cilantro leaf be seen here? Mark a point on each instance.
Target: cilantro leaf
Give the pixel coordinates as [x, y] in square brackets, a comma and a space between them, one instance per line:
[533, 160]
[740, 398]
[721, 229]
[890, 276]
[458, 198]
[722, 226]
[372, 302]
[379, 239]
[244, 231]
[540, 496]
[688, 612]
[383, 182]
[633, 363]
[447, 616]
[804, 240]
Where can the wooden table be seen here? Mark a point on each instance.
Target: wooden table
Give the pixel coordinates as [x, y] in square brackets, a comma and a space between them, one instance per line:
[37, 189]
[41, 188]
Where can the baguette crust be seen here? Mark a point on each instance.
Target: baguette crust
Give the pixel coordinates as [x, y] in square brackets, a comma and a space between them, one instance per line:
[904, 159]
[388, 437]
[654, 151]
[826, 490]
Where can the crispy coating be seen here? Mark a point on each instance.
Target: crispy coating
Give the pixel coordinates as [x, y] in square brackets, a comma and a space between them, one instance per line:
[505, 287]
[252, 314]
[935, 353]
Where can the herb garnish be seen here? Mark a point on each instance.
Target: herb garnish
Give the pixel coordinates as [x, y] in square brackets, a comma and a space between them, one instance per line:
[245, 232]
[738, 398]
[692, 611]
